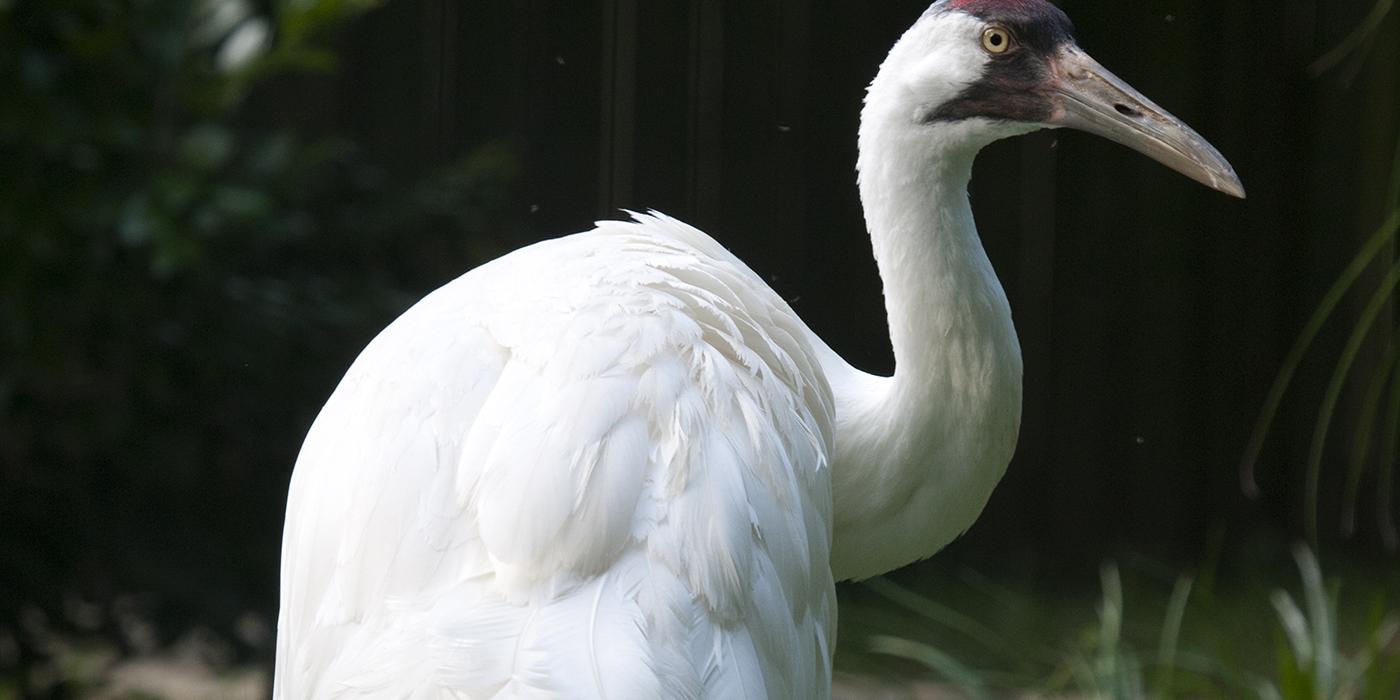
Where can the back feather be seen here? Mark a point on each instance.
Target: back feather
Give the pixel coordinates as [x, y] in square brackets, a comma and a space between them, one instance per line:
[595, 467]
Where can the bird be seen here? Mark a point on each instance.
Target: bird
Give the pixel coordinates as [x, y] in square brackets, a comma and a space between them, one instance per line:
[617, 464]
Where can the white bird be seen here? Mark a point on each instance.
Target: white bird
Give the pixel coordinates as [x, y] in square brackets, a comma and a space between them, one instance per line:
[618, 465]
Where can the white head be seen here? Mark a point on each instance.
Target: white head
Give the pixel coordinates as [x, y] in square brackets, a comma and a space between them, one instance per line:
[970, 72]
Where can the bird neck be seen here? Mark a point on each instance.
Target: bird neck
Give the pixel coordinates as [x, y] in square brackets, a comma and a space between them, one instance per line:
[917, 454]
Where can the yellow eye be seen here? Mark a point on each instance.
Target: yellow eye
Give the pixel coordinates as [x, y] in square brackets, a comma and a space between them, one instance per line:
[996, 39]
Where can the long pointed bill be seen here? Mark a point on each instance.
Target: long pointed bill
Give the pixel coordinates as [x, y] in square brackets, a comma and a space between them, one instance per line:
[1092, 99]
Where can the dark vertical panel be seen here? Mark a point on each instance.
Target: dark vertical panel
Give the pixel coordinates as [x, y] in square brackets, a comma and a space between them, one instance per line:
[1032, 292]
[841, 297]
[662, 151]
[1154, 458]
[619, 97]
[1254, 86]
[1015, 219]
[705, 128]
[440, 114]
[384, 103]
[677, 118]
[788, 124]
[749, 223]
[1331, 178]
[1372, 103]
[1319, 175]
[558, 119]
[1380, 134]
[1379, 87]
[1094, 323]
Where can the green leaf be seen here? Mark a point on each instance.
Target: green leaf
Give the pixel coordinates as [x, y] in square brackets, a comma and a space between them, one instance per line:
[141, 222]
[247, 43]
[301, 19]
[243, 203]
[207, 147]
[213, 20]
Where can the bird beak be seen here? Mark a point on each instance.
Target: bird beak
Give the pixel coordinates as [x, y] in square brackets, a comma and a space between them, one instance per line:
[1090, 98]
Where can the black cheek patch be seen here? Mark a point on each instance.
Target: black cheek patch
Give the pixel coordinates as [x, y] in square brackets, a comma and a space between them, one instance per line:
[1015, 88]
[1016, 85]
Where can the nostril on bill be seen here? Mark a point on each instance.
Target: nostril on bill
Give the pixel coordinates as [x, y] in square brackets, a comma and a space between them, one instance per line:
[1127, 111]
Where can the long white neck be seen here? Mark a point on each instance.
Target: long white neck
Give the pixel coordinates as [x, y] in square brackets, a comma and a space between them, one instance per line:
[917, 454]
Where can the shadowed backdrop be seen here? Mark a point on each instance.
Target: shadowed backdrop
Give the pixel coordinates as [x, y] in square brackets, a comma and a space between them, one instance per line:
[201, 224]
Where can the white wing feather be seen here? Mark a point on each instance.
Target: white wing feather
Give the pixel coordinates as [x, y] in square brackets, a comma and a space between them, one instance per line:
[595, 467]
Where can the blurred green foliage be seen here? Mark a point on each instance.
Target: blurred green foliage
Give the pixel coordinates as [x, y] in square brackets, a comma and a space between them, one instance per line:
[1147, 640]
[168, 272]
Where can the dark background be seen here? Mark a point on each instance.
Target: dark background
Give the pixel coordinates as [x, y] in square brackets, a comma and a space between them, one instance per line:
[192, 252]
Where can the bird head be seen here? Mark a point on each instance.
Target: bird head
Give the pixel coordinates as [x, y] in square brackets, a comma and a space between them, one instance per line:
[972, 71]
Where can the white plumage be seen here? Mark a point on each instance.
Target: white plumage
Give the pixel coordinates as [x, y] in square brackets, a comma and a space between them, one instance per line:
[617, 464]
[580, 504]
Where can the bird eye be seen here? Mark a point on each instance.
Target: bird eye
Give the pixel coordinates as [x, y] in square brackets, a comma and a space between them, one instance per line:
[996, 39]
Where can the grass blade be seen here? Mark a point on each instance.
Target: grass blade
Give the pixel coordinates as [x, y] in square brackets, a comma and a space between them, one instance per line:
[1240, 681]
[1115, 671]
[1393, 198]
[1364, 323]
[1382, 673]
[1111, 608]
[1385, 470]
[1171, 634]
[1353, 41]
[945, 666]
[1323, 624]
[940, 614]
[1295, 627]
[1365, 433]
[1358, 264]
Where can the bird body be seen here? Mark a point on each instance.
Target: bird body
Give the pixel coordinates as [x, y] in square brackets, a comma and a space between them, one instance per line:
[626, 495]
[617, 464]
